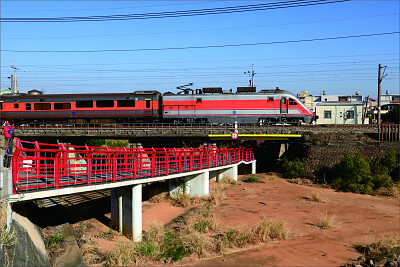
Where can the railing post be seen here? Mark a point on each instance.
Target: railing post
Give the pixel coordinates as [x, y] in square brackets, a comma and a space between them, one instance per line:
[153, 162]
[37, 156]
[89, 166]
[166, 153]
[114, 166]
[57, 170]
[15, 167]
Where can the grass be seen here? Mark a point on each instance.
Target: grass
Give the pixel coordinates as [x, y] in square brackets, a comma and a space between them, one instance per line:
[7, 236]
[327, 222]
[316, 197]
[228, 180]
[251, 179]
[266, 230]
[199, 234]
[53, 241]
[379, 252]
[107, 234]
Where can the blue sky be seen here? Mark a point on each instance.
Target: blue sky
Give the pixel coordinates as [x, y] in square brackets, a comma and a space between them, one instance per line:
[342, 66]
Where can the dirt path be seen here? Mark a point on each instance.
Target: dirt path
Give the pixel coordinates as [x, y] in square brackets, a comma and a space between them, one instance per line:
[359, 218]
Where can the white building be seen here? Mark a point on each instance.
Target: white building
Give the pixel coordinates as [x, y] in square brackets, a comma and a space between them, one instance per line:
[340, 113]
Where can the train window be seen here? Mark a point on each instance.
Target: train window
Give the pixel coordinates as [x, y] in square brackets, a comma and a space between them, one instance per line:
[1, 105]
[84, 104]
[292, 102]
[42, 106]
[283, 100]
[28, 106]
[62, 105]
[105, 103]
[126, 103]
[16, 105]
[147, 103]
[270, 99]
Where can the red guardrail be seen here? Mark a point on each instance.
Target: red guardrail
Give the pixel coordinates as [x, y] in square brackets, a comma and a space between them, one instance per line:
[38, 166]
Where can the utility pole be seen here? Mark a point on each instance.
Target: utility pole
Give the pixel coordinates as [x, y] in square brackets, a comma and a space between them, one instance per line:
[252, 73]
[14, 90]
[380, 78]
[12, 83]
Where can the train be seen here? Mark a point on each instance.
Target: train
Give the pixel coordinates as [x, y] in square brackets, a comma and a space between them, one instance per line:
[207, 105]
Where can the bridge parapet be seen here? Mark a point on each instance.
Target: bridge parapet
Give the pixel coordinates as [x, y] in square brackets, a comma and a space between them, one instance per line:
[37, 166]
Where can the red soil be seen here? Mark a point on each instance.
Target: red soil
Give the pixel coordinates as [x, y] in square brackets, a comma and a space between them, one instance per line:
[360, 218]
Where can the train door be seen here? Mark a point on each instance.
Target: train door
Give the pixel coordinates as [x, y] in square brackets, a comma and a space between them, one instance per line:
[284, 105]
[148, 107]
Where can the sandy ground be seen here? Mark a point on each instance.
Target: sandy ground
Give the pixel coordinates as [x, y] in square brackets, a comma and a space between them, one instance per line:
[359, 219]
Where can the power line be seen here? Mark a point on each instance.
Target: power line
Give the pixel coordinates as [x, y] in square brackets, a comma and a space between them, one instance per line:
[198, 47]
[207, 61]
[191, 31]
[184, 13]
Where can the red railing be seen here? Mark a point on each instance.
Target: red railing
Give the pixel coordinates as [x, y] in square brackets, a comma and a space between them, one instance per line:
[39, 166]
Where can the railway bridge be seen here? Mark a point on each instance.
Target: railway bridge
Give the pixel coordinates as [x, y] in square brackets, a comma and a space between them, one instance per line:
[142, 130]
[40, 171]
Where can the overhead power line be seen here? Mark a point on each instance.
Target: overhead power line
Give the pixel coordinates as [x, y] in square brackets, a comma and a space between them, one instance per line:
[199, 30]
[184, 13]
[198, 47]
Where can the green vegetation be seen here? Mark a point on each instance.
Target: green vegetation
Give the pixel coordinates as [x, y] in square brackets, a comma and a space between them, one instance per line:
[251, 179]
[199, 234]
[392, 116]
[110, 143]
[108, 234]
[52, 241]
[292, 169]
[7, 236]
[358, 175]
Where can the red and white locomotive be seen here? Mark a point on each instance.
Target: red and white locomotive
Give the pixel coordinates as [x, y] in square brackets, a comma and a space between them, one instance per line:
[208, 105]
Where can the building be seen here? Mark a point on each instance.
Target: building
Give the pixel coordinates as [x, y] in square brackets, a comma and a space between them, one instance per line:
[340, 113]
[307, 99]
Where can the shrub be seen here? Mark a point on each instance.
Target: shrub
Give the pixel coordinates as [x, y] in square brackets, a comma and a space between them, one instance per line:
[292, 169]
[354, 175]
[238, 237]
[123, 254]
[96, 142]
[251, 179]
[380, 252]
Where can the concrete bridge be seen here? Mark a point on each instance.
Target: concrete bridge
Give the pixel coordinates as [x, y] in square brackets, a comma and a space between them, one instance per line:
[42, 171]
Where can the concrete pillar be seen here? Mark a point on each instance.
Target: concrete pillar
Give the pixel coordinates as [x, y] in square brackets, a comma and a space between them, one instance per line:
[282, 149]
[126, 210]
[193, 185]
[231, 172]
[253, 167]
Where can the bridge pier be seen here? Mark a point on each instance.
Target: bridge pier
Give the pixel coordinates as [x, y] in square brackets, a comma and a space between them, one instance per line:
[228, 173]
[193, 185]
[126, 210]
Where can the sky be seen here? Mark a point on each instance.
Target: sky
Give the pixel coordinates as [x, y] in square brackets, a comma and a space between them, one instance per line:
[332, 47]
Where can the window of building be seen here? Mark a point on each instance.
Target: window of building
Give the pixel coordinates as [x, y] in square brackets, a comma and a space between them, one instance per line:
[84, 104]
[16, 105]
[350, 114]
[343, 98]
[126, 103]
[42, 106]
[292, 102]
[105, 103]
[28, 106]
[147, 103]
[327, 114]
[62, 105]
[396, 98]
